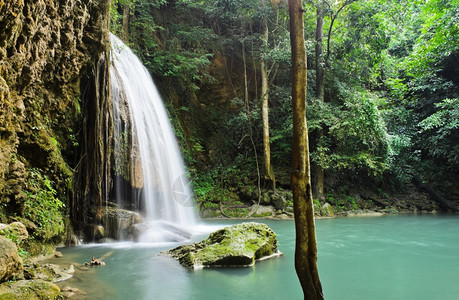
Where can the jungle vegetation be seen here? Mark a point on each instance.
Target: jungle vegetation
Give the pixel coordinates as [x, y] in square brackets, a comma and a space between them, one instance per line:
[382, 98]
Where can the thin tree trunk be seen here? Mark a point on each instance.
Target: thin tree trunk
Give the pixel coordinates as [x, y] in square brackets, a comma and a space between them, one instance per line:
[306, 244]
[126, 13]
[320, 76]
[320, 70]
[333, 18]
[247, 107]
[268, 173]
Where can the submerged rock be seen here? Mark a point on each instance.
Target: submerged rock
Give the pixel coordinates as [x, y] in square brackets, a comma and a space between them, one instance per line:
[10, 262]
[29, 289]
[235, 246]
[48, 272]
[68, 292]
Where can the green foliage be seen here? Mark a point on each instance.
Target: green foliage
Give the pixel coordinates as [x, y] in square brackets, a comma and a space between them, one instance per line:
[423, 92]
[391, 86]
[186, 66]
[115, 17]
[168, 48]
[11, 234]
[443, 127]
[42, 207]
[355, 133]
[341, 202]
[213, 186]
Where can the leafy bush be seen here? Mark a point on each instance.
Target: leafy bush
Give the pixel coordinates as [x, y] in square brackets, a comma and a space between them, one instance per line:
[42, 207]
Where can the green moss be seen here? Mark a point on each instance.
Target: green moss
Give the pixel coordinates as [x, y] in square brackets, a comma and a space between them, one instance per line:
[236, 212]
[11, 234]
[34, 247]
[238, 245]
[28, 290]
[263, 215]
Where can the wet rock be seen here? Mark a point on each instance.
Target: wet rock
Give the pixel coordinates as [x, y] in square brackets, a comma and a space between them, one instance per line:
[10, 262]
[68, 292]
[48, 272]
[261, 211]
[29, 289]
[279, 201]
[120, 223]
[265, 199]
[94, 232]
[283, 217]
[235, 246]
[327, 210]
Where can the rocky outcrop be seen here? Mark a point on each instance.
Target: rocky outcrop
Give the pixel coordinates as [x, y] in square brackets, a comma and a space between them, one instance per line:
[46, 47]
[235, 246]
[327, 210]
[10, 262]
[261, 211]
[29, 290]
[120, 224]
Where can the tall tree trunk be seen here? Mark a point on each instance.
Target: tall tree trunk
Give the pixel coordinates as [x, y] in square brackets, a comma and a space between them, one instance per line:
[268, 173]
[247, 107]
[306, 244]
[126, 12]
[320, 70]
[320, 75]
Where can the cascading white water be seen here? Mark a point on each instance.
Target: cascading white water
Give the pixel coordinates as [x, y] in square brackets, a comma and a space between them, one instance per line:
[166, 197]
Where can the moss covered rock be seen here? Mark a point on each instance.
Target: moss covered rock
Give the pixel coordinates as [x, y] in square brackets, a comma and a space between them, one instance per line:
[10, 262]
[235, 246]
[327, 210]
[28, 290]
[48, 272]
[16, 231]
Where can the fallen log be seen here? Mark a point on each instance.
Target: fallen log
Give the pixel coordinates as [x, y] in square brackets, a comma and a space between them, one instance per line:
[375, 201]
[435, 196]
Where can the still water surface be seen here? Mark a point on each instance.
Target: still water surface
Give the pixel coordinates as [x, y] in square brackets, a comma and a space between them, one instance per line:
[390, 257]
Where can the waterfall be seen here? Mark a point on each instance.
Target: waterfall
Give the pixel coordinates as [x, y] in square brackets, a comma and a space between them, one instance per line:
[144, 139]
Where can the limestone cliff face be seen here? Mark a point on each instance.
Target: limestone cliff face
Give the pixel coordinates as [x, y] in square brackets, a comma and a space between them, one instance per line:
[48, 49]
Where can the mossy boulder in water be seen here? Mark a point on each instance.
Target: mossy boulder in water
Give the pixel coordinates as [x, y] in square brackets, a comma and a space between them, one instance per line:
[235, 246]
